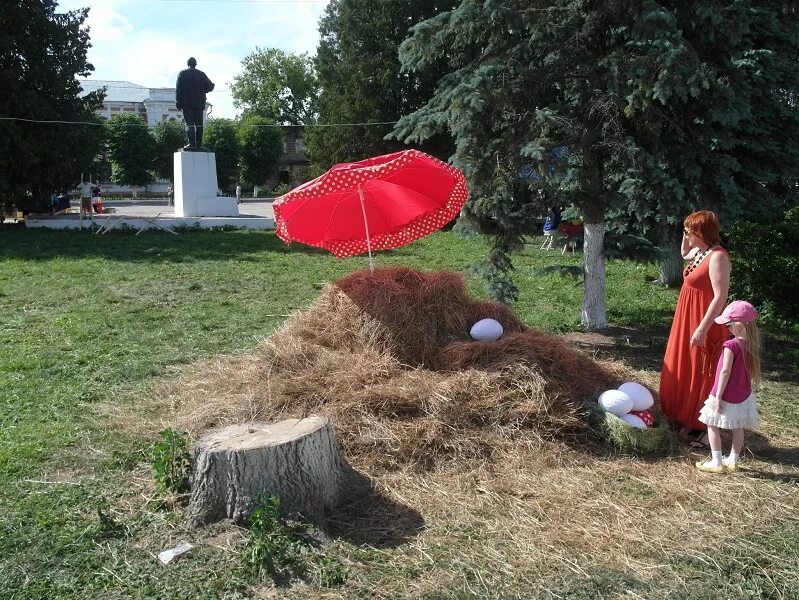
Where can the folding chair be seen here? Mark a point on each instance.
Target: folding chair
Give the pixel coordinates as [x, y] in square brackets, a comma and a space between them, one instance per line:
[152, 221]
[549, 238]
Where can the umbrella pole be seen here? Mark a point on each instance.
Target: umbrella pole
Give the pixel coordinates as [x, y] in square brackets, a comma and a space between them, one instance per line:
[366, 227]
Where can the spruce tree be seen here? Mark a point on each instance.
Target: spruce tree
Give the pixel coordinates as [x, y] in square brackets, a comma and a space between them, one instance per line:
[658, 107]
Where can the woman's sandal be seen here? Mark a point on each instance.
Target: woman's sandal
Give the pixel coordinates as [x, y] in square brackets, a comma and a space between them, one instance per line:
[686, 434]
[700, 442]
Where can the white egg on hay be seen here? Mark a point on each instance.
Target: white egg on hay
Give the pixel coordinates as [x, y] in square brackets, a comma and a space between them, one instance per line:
[486, 330]
[616, 402]
[633, 421]
[642, 397]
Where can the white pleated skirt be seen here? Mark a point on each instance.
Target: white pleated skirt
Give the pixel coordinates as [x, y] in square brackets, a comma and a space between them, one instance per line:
[742, 415]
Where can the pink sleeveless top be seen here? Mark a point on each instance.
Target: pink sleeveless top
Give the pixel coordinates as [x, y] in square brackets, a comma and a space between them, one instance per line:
[739, 386]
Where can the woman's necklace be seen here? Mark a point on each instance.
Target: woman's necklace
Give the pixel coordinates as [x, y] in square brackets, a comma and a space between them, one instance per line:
[697, 261]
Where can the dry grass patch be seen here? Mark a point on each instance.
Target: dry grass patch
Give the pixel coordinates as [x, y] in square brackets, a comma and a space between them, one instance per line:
[387, 358]
[483, 460]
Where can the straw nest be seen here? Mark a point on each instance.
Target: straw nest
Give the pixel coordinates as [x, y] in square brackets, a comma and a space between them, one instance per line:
[388, 358]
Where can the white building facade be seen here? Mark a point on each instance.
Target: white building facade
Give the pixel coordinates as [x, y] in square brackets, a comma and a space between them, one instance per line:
[151, 104]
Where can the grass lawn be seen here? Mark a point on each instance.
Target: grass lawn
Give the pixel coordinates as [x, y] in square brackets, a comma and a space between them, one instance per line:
[91, 325]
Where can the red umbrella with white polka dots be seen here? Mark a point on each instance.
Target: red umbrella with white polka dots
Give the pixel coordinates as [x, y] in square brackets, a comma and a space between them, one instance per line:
[374, 204]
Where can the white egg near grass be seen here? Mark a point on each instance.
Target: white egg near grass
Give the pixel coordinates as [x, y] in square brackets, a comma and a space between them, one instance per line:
[486, 330]
[642, 397]
[634, 421]
[616, 402]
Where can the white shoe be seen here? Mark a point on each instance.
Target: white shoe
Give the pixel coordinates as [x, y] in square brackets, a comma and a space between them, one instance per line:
[730, 467]
[709, 467]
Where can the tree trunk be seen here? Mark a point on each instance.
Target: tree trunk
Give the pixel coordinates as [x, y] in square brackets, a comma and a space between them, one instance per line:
[671, 267]
[593, 314]
[297, 460]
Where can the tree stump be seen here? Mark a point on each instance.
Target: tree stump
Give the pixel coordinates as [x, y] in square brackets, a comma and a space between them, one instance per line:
[297, 460]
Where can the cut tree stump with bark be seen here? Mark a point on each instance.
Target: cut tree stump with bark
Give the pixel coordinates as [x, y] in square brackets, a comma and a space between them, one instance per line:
[297, 460]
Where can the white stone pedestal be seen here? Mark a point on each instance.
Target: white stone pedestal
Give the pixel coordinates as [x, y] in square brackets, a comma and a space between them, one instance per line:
[195, 187]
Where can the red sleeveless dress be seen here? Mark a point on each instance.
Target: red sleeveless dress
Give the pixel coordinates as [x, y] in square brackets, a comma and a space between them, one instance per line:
[688, 371]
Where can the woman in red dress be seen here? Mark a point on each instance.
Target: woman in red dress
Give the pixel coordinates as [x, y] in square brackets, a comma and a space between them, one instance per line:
[695, 339]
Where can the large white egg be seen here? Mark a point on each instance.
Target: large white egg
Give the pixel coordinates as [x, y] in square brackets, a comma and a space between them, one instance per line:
[642, 397]
[486, 330]
[633, 421]
[616, 402]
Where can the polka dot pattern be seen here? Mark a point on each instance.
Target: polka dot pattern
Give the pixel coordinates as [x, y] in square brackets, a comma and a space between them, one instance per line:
[407, 195]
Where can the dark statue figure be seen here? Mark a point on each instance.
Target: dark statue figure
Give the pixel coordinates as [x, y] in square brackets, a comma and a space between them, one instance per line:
[190, 90]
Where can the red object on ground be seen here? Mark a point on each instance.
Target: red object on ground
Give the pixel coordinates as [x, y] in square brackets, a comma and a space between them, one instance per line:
[374, 204]
[571, 229]
[645, 415]
[98, 206]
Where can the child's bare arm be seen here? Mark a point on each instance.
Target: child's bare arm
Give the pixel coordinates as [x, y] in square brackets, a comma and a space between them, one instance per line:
[724, 376]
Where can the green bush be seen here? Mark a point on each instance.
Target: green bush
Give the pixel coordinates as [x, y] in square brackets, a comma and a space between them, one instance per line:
[281, 189]
[765, 266]
[172, 461]
[275, 546]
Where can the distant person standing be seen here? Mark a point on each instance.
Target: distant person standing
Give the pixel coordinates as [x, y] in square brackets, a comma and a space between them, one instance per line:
[170, 193]
[190, 90]
[86, 189]
[238, 193]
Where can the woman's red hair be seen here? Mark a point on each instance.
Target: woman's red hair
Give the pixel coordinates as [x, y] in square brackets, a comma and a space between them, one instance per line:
[705, 224]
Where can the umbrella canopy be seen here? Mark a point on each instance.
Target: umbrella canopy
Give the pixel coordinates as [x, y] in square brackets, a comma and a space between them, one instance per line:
[374, 204]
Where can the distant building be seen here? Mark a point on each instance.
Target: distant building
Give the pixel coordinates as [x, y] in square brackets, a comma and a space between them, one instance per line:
[293, 165]
[151, 104]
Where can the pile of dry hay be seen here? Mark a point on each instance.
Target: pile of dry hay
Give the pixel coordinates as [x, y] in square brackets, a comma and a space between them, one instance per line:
[388, 357]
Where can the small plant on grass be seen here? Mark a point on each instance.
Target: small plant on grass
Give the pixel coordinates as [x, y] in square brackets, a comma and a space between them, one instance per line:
[275, 546]
[331, 572]
[172, 461]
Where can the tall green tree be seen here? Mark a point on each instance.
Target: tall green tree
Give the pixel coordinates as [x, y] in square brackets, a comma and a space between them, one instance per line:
[42, 52]
[277, 85]
[131, 150]
[659, 106]
[361, 79]
[168, 138]
[715, 124]
[261, 146]
[221, 136]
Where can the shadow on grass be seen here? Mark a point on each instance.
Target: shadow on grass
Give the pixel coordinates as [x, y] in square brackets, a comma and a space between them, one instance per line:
[152, 246]
[763, 450]
[640, 347]
[376, 520]
[780, 358]
[156, 247]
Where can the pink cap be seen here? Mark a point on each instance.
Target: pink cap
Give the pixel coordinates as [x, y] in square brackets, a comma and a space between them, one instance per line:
[740, 310]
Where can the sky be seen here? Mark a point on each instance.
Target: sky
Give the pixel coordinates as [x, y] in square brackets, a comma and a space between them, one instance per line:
[147, 42]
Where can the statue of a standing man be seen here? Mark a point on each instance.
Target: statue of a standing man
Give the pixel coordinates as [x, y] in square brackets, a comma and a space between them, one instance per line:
[190, 90]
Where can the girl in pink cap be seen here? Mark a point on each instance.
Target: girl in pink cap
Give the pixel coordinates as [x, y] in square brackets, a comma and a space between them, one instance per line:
[731, 404]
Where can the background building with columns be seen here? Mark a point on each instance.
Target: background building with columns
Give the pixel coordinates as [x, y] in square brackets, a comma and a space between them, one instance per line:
[151, 104]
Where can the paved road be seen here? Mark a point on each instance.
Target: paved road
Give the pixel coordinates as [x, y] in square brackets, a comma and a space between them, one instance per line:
[150, 208]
